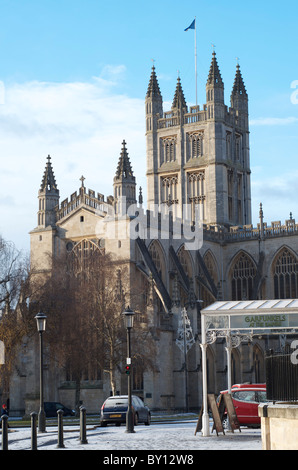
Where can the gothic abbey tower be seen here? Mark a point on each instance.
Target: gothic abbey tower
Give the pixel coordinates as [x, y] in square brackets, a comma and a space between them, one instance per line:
[195, 158]
[200, 156]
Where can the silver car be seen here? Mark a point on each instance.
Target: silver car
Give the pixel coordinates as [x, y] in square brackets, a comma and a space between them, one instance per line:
[114, 410]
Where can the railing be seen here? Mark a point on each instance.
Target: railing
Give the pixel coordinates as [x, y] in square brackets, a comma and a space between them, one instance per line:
[247, 232]
[281, 377]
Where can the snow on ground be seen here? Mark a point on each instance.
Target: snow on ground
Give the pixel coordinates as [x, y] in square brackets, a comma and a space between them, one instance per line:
[174, 436]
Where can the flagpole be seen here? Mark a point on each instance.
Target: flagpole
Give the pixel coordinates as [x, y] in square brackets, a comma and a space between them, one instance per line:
[196, 60]
[193, 25]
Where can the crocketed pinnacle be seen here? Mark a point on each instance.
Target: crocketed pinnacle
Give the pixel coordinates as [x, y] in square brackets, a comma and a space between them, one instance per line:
[214, 77]
[179, 100]
[153, 87]
[48, 180]
[238, 87]
[124, 169]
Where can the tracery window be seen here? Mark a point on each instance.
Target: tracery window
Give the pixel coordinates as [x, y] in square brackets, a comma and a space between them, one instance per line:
[169, 189]
[243, 273]
[196, 192]
[82, 254]
[210, 264]
[158, 258]
[285, 271]
[185, 261]
[186, 264]
[168, 149]
[159, 261]
[197, 145]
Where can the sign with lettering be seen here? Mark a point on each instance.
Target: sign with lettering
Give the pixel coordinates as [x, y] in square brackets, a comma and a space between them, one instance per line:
[259, 321]
[251, 321]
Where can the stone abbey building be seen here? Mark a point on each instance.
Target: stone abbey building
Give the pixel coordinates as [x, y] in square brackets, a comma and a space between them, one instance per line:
[193, 242]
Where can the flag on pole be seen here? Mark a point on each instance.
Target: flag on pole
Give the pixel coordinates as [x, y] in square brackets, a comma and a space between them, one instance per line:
[192, 26]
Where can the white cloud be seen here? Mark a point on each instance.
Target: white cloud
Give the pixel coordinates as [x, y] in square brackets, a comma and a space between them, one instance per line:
[278, 195]
[81, 125]
[271, 121]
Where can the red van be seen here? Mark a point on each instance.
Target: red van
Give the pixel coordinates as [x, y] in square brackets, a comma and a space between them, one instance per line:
[246, 399]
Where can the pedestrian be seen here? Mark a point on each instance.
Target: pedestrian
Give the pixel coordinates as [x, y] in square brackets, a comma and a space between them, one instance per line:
[4, 410]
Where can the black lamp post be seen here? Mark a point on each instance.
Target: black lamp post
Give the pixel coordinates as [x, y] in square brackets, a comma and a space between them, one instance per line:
[129, 316]
[41, 326]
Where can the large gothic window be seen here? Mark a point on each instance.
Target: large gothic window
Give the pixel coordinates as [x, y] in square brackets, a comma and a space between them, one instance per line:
[242, 274]
[185, 261]
[186, 264]
[205, 293]
[168, 149]
[196, 141]
[158, 258]
[83, 254]
[169, 189]
[285, 274]
[196, 192]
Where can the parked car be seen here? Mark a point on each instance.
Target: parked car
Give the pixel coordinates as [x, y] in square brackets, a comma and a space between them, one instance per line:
[51, 408]
[114, 410]
[246, 399]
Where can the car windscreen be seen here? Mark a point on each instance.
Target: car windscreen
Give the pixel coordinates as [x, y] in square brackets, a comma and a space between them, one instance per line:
[245, 395]
[116, 404]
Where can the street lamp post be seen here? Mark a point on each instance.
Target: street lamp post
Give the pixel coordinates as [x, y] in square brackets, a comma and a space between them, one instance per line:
[41, 326]
[129, 316]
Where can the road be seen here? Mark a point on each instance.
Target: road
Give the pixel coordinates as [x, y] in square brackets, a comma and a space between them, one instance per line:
[175, 436]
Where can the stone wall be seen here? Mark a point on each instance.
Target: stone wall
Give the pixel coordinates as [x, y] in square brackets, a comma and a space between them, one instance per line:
[279, 424]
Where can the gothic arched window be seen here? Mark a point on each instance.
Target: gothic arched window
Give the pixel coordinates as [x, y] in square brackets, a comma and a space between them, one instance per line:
[285, 275]
[169, 189]
[158, 258]
[83, 254]
[185, 261]
[242, 275]
[210, 264]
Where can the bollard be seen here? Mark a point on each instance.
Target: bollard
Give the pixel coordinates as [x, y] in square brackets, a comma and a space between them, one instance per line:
[60, 444]
[33, 431]
[83, 436]
[4, 420]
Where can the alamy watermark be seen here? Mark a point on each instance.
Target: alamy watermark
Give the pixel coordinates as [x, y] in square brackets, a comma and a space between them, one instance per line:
[294, 355]
[159, 222]
[294, 94]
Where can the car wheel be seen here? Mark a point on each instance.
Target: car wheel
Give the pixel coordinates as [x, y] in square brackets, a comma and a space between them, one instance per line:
[147, 423]
[136, 419]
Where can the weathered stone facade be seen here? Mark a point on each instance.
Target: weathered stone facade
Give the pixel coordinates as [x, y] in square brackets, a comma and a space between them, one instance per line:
[195, 159]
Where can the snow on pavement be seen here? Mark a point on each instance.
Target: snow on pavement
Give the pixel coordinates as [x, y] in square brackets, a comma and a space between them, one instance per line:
[174, 436]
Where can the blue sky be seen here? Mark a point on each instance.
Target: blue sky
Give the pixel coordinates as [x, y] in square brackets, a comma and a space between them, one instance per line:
[74, 75]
